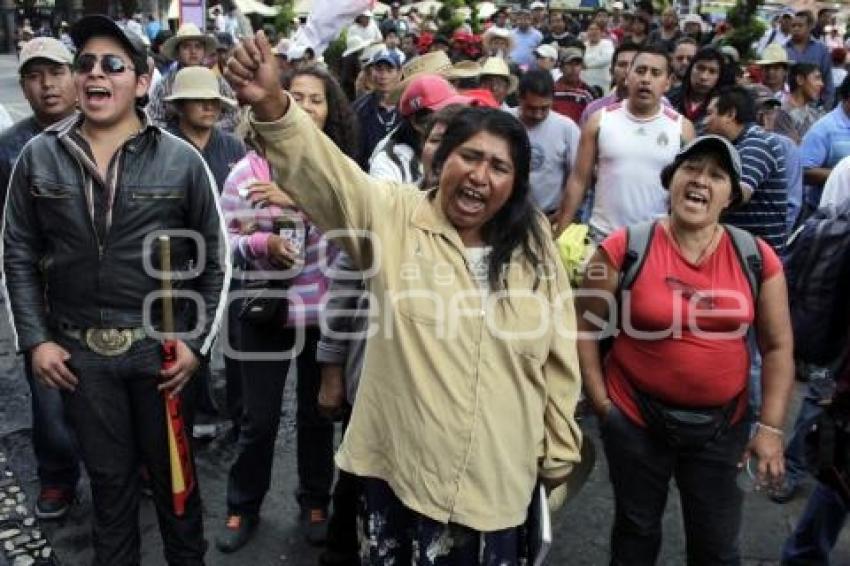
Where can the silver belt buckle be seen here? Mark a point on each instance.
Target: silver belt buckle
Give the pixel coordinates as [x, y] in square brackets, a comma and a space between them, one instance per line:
[109, 341]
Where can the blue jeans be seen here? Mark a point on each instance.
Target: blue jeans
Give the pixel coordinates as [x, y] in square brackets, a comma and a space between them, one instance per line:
[817, 530]
[819, 388]
[53, 441]
[754, 385]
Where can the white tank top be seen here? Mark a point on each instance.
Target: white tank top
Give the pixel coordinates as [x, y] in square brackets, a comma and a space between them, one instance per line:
[631, 154]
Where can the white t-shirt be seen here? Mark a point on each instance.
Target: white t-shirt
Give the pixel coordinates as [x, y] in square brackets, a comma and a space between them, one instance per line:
[371, 33]
[597, 63]
[554, 144]
[478, 261]
[836, 190]
[382, 166]
[631, 153]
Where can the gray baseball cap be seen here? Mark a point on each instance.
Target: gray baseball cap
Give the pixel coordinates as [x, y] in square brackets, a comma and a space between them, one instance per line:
[44, 48]
[723, 147]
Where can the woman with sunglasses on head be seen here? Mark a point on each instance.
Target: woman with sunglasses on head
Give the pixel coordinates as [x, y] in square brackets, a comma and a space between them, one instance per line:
[671, 394]
[256, 209]
[470, 383]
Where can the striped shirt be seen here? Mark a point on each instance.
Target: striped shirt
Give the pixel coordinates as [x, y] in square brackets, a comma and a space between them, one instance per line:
[763, 169]
[248, 231]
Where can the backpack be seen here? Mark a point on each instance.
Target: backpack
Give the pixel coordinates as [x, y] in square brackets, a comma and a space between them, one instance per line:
[817, 265]
[827, 449]
[639, 238]
[687, 428]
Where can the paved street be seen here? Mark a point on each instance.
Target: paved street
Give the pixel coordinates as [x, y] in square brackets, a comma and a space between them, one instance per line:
[10, 92]
[581, 529]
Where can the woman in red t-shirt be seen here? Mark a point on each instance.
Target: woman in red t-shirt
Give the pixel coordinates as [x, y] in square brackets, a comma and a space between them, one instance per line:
[671, 393]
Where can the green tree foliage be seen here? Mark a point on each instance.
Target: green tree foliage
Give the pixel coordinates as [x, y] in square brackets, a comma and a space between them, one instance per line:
[284, 19]
[746, 27]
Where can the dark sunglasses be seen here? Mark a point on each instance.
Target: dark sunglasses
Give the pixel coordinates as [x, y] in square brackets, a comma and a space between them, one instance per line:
[109, 64]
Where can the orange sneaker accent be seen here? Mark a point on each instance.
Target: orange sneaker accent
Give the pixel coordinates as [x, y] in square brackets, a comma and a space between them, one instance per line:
[318, 516]
[234, 522]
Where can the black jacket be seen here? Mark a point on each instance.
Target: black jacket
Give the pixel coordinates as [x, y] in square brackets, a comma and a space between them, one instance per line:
[57, 270]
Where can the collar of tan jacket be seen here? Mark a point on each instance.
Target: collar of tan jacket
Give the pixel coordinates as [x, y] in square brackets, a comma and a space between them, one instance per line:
[429, 216]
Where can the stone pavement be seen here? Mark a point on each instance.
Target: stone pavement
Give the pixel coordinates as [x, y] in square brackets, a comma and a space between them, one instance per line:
[581, 529]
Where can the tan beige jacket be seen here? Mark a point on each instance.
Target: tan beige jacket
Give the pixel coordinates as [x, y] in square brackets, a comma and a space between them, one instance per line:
[463, 400]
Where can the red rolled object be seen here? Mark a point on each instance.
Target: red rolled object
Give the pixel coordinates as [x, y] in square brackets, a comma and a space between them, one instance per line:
[182, 478]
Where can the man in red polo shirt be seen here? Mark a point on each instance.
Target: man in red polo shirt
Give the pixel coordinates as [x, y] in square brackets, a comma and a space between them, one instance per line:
[572, 95]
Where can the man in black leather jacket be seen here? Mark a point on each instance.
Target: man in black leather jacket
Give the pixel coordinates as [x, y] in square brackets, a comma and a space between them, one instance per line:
[86, 202]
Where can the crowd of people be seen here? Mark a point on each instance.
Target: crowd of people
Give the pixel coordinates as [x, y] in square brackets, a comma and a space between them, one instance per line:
[389, 223]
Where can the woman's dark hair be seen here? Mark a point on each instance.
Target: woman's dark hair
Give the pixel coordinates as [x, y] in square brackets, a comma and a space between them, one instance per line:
[341, 123]
[406, 134]
[517, 223]
[725, 78]
[800, 70]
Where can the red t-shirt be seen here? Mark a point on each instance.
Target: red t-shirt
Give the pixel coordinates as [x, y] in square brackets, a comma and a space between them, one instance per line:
[570, 101]
[698, 355]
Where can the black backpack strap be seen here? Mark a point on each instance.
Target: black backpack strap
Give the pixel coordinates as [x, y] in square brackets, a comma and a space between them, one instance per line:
[749, 254]
[638, 239]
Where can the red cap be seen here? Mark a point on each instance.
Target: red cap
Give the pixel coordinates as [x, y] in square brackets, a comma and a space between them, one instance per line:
[480, 97]
[429, 92]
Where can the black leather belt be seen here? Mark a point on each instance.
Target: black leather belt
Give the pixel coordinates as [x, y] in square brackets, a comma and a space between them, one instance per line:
[105, 341]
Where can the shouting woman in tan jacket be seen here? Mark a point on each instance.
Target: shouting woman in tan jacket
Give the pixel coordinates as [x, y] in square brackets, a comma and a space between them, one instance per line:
[470, 377]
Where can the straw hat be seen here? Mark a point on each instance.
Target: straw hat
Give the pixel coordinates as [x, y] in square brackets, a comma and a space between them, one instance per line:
[434, 63]
[187, 31]
[197, 83]
[774, 54]
[498, 67]
[463, 70]
[494, 32]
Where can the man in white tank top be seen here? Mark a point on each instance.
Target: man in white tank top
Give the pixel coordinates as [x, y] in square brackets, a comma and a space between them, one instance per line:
[629, 143]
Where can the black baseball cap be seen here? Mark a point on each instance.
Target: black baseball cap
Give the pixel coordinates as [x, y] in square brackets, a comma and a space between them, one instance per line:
[98, 25]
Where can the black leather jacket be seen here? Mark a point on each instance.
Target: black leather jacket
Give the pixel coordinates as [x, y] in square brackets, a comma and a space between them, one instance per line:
[58, 272]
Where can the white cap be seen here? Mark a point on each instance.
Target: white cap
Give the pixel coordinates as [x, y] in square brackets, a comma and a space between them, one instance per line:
[547, 51]
[537, 6]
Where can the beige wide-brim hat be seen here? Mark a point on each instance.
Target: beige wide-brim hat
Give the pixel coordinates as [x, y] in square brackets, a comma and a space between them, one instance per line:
[774, 54]
[463, 70]
[493, 32]
[197, 83]
[187, 31]
[434, 63]
[498, 67]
